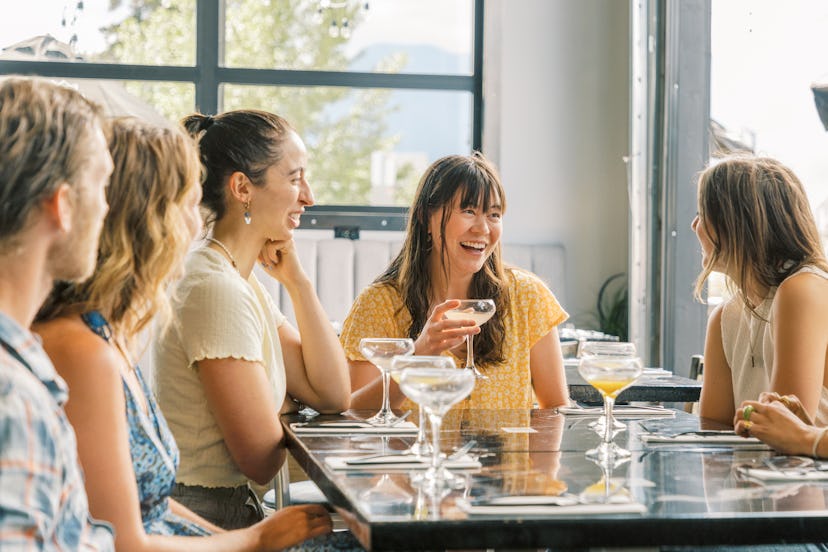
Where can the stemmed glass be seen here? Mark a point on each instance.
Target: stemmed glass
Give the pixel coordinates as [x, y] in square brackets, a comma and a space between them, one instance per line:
[380, 352]
[436, 390]
[609, 375]
[478, 310]
[606, 349]
[400, 363]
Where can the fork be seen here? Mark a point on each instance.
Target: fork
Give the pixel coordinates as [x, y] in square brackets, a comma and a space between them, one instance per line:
[458, 454]
[396, 422]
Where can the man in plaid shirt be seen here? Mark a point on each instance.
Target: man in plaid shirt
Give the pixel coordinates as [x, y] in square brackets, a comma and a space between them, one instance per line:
[54, 167]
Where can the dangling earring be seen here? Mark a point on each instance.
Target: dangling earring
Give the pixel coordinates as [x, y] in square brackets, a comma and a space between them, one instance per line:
[429, 242]
[247, 217]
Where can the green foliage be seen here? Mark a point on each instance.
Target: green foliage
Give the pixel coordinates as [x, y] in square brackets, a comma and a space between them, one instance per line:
[613, 306]
[341, 126]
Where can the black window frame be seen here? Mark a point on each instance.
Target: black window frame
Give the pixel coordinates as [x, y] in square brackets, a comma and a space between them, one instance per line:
[208, 75]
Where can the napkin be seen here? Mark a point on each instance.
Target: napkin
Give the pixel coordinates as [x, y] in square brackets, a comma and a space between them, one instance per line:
[352, 426]
[802, 474]
[542, 505]
[397, 462]
[728, 438]
[623, 410]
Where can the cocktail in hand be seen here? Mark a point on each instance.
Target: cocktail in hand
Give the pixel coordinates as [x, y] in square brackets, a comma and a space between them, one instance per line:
[479, 311]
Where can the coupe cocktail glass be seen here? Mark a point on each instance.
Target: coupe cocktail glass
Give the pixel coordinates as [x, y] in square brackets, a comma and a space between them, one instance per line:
[478, 310]
[610, 376]
[421, 447]
[380, 352]
[436, 390]
[588, 349]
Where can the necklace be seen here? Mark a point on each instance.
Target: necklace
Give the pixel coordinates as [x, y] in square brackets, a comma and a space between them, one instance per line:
[224, 247]
[756, 341]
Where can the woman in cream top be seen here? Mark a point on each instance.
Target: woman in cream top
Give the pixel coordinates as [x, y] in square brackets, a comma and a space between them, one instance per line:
[229, 359]
[225, 316]
[755, 225]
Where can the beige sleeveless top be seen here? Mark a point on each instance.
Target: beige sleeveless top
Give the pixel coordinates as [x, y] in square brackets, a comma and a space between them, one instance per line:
[748, 348]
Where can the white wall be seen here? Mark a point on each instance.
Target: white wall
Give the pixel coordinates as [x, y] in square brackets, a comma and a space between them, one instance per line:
[556, 84]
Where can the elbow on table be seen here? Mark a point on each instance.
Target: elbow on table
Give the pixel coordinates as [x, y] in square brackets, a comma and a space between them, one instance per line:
[262, 472]
[335, 405]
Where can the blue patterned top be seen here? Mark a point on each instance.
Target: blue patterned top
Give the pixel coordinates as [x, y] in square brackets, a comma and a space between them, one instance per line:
[153, 450]
[42, 502]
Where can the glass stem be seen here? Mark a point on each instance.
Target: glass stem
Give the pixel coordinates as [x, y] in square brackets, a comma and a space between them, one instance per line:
[386, 402]
[608, 427]
[469, 352]
[436, 459]
[421, 436]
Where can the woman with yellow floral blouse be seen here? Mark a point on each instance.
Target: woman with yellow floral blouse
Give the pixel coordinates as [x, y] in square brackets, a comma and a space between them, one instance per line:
[452, 251]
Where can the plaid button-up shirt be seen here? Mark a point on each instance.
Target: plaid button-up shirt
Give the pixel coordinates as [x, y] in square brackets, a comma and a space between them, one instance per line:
[43, 503]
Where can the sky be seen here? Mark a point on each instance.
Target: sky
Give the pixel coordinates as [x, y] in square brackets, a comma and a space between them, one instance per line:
[765, 54]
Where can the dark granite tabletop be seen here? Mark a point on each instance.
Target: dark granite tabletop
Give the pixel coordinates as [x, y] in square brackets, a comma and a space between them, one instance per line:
[692, 494]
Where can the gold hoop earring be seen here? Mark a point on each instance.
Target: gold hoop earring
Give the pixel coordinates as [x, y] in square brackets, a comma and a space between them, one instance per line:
[247, 217]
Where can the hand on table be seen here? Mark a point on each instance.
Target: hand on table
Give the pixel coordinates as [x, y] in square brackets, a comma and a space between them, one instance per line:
[775, 424]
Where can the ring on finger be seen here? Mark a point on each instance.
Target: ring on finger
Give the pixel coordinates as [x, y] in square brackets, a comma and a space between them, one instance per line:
[747, 412]
[786, 400]
[747, 426]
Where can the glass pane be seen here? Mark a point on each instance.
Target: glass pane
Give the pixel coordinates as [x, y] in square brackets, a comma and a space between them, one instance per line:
[765, 55]
[392, 36]
[171, 100]
[366, 146]
[101, 31]
[156, 102]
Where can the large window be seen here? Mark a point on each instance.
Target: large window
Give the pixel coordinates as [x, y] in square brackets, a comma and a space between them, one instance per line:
[765, 57]
[378, 89]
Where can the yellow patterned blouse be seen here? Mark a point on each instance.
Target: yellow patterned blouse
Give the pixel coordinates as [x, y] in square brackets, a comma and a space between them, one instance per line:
[534, 312]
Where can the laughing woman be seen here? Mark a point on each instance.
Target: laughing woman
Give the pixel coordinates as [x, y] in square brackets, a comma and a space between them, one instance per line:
[452, 251]
[230, 359]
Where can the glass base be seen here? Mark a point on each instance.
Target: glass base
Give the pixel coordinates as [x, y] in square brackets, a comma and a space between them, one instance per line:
[420, 449]
[608, 453]
[438, 480]
[383, 418]
[477, 373]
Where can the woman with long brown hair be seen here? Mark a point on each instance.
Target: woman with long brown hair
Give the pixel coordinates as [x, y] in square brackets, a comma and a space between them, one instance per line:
[452, 251]
[230, 361]
[756, 227]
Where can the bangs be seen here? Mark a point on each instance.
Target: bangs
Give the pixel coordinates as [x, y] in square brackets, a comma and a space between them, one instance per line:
[478, 191]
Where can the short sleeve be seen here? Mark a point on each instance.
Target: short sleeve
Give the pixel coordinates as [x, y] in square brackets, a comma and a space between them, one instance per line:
[542, 308]
[219, 320]
[373, 314]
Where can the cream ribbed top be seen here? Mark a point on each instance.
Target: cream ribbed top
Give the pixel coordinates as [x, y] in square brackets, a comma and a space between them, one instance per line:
[217, 314]
[744, 336]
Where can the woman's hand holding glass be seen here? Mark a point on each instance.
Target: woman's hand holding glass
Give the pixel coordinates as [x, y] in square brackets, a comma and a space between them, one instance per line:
[442, 334]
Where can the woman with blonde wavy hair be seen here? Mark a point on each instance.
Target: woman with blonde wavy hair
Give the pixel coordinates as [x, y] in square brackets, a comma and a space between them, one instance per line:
[89, 330]
[755, 226]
